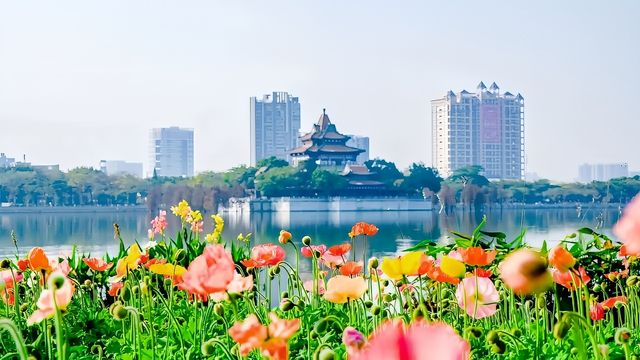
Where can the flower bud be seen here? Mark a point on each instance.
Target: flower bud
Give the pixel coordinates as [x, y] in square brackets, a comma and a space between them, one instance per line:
[144, 289]
[622, 336]
[276, 269]
[24, 307]
[326, 354]
[321, 326]
[168, 283]
[286, 305]
[373, 263]
[300, 303]
[417, 313]
[498, 347]
[385, 283]
[492, 336]
[597, 288]
[119, 312]
[474, 332]
[284, 295]
[313, 335]
[5, 264]
[516, 332]
[125, 293]
[284, 237]
[208, 348]
[560, 329]
[218, 309]
[375, 310]
[368, 304]
[56, 280]
[87, 283]
[387, 298]
[574, 351]
[306, 240]
[632, 280]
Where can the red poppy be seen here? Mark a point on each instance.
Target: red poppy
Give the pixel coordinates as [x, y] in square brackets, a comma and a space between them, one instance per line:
[596, 312]
[610, 303]
[482, 272]
[426, 265]
[154, 262]
[23, 264]
[115, 288]
[264, 255]
[97, 264]
[351, 268]
[307, 250]
[477, 256]
[438, 275]
[363, 228]
[567, 279]
[339, 250]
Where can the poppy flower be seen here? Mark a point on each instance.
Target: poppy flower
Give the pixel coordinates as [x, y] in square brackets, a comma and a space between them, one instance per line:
[169, 270]
[264, 255]
[363, 228]
[331, 260]
[452, 267]
[154, 262]
[210, 272]
[23, 264]
[610, 303]
[628, 227]
[341, 289]
[405, 265]
[561, 259]
[353, 340]
[115, 288]
[393, 340]
[481, 273]
[38, 260]
[477, 256]
[129, 262]
[279, 332]
[596, 312]
[97, 264]
[249, 334]
[7, 285]
[571, 279]
[284, 237]
[238, 285]
[436, 274]
[351, 268]
[308, 285]
[339, 250]
[478, 297]
[525, 272]
[46, 303]
[615, 275]
[307, 251]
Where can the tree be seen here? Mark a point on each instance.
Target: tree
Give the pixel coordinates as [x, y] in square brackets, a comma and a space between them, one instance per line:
[470, 174]
[385, 171]
[421, 177]
[327, 182]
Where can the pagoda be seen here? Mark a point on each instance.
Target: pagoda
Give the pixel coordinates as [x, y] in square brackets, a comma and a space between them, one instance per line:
[325, 145]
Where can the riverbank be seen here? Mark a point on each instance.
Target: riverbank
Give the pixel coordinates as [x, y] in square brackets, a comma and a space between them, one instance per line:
[73, 209]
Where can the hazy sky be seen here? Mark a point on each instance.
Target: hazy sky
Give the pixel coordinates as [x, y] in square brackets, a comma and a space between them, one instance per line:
[84, 80]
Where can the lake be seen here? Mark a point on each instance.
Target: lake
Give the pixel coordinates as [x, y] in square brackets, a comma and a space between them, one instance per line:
[93, 232]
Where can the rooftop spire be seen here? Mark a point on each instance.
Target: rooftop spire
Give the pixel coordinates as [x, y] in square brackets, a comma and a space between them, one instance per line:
[482, 86]
[494, 87]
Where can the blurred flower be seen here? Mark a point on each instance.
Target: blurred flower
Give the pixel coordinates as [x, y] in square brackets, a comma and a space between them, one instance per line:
[307, 251]
[159, 223]
[561, 259]
[38, 260]
[452, 267]
[478, 297]
[393, 340]
[476, 256]
[46, 304]
[210, 272]
[168, 270]
[615, 275]
[405, 265]
[249, 334]
[264, 255]
[341, 289]
[628, 227]
[568, 279]
[525, 272]
[351, 268]
[308, 285]
[284, 237]
[7, 285]
[279, 332]
[97, 264]
[182, 210]
[23, 264]
[339, 250]
[238, 285]
[362, 228]
[353, 340]
[481, 273]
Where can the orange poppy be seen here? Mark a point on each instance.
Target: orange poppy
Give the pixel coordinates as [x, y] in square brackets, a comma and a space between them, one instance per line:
[426, 265]
[23, 264]
[339, 250]
[351, 268]
[561, 259]
[480, 273]
[284, 237]
[568, 279]
[38, 260]
[97, 264]
[477, 256]
[363, 228]
[611, 302]
[115, 288]
[438, 275]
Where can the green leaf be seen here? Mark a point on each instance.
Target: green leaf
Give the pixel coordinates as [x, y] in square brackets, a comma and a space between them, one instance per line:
[460, 235]
[421, 245]
[517, 242]
[494, 234]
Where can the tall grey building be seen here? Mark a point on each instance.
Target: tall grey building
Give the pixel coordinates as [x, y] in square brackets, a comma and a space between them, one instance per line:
[275, 126]
[171, 152]
[360, 142]
[602, 172]
[485, 128]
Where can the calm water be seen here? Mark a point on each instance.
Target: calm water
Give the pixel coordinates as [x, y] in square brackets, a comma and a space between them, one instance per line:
[398, 230]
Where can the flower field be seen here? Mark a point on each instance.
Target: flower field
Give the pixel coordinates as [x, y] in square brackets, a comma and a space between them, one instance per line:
[199, 296]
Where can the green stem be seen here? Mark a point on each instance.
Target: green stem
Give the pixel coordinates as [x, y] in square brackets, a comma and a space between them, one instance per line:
[12, 329]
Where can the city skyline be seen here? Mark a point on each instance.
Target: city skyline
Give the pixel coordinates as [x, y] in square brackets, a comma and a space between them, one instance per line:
[376, 68]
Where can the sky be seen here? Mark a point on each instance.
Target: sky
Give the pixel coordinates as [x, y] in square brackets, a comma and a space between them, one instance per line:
[82, 81]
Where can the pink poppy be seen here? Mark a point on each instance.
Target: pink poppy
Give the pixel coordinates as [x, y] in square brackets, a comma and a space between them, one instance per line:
[525, 272]
[210, 272]
[46, 305]
[307, 250]
[264, 255]
[628, 227]
[571, 279]
[308, 285]
[394, 340]
[596, 312]
[477, 296]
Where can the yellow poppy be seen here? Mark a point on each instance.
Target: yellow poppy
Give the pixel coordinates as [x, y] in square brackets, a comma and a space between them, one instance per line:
[167, 269]
[452, 267]
[406, 265]
[130, 261]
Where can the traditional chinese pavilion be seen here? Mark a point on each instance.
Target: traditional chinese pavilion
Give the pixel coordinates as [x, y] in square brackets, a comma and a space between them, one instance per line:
[325, 145]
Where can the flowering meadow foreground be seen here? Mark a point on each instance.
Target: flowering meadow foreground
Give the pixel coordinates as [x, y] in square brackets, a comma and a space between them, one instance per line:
[201, 296]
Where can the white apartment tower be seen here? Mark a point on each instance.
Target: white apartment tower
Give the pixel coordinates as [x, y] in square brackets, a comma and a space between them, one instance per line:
[275, 126]
[171, 152]
[485, 128]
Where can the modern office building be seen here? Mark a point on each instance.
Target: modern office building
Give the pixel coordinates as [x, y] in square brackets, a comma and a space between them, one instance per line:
[119, 167]
[275, 126]
[360, 142]
[602, 172]
[171, 152]
[484, 128]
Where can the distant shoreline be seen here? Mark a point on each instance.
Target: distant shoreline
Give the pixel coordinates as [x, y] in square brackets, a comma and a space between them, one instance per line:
[73, 209]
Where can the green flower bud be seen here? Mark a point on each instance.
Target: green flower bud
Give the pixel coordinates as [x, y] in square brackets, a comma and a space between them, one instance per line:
[597, 288]
[560, 329]
[135, 290]
[622, 336]
[87, 283]
[498, 346]
[375, 310]
[632, 280]
[300, 303]
[492, 336]
[5, 264]
[218, 309]
[285, 294]
[306, 240]
[321, 326]
[373, 263]
[387, 298]
[144, 289]
[286, 305]
[516, 332]
[125, 293]
[474, 332]
[417, 313]
[119, 312]
[23, 307]
[574, 351]
[326, 354]
[208, 348]
[368, 304]
[168, 283]
[313, 335]
[385, 283]
[276, 269]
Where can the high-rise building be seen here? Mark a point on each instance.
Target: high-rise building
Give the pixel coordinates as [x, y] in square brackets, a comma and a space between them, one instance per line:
[275, 126]
[602, 172]
[485, 128]
[119, 167]
[171, 152]
[360, 142]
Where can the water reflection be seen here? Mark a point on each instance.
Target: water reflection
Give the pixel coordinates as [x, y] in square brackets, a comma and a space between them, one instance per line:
[398, 230]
